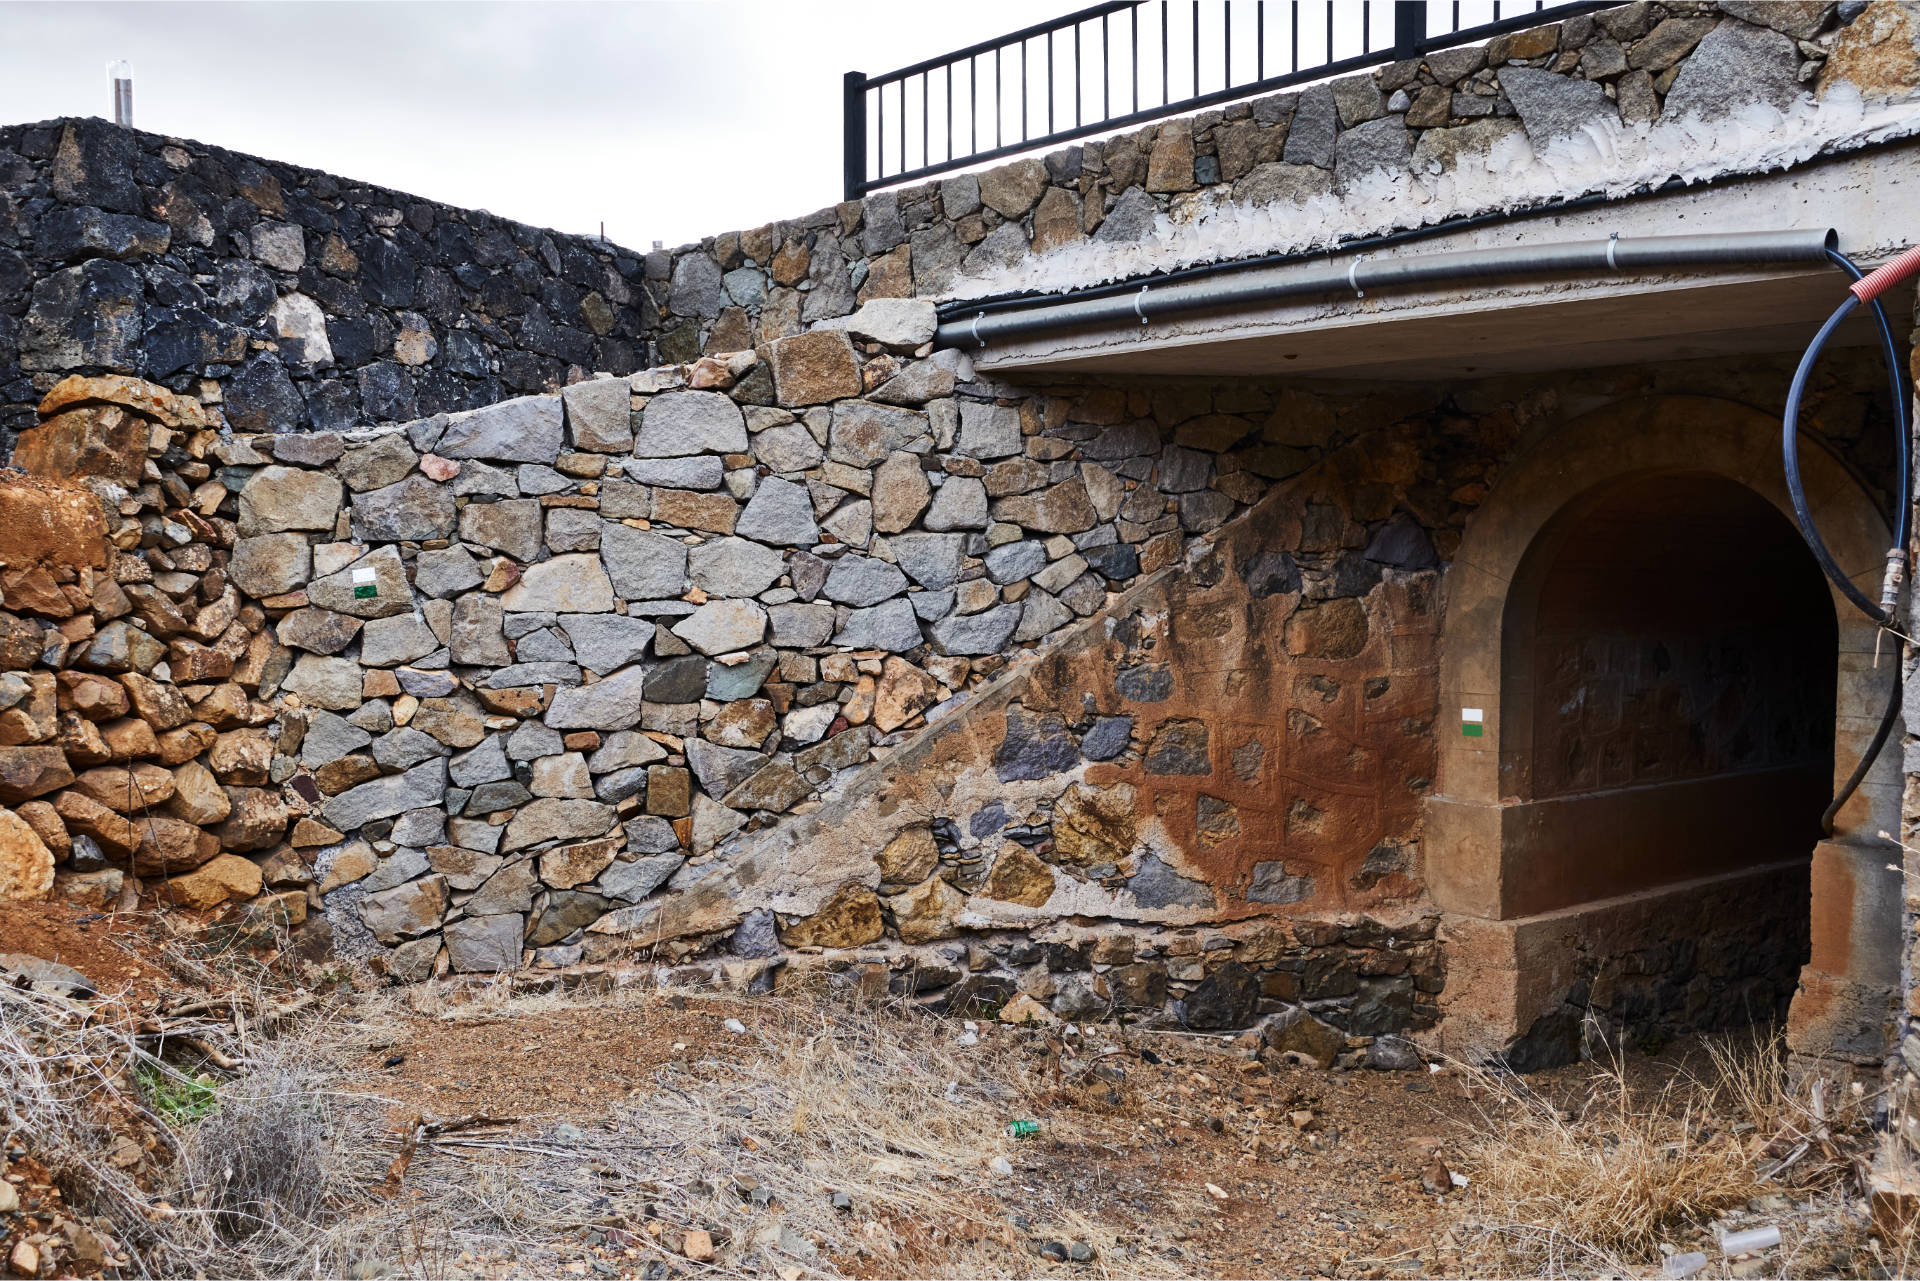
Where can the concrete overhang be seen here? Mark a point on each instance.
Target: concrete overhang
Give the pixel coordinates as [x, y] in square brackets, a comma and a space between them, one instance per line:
[1872, 198]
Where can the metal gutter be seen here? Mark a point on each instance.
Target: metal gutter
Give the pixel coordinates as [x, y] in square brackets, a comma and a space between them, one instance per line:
[1358, 274]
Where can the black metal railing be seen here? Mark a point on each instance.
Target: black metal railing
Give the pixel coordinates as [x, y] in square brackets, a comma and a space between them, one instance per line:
[1130, 61]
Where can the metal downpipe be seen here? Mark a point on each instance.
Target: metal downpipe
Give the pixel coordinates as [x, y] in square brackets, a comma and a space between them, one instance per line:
[1359, 275]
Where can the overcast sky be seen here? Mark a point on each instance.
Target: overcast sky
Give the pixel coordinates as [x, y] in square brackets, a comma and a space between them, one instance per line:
[670, 119]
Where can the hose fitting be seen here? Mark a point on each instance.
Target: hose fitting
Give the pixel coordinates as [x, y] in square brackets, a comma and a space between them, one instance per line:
[1890, 585]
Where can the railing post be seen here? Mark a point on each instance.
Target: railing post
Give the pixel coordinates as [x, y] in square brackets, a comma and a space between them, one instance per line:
[854, 138]
[1409, 27]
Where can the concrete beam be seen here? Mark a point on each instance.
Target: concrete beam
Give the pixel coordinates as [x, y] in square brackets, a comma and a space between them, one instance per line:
[1872, 198]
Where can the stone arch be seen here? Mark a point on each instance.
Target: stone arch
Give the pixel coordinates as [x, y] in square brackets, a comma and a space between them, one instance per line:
[1519, 953]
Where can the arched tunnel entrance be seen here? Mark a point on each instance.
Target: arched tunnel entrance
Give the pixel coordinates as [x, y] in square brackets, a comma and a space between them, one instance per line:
[1666, 714]
[1647, 691]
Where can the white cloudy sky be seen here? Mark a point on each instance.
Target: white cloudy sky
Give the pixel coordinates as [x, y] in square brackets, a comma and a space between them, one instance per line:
[670, 119]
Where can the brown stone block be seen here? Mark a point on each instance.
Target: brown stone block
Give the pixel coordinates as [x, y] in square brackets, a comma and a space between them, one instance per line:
[27, 772]
[90, 440]
[85, 817]
[814, 368]
[142, 397]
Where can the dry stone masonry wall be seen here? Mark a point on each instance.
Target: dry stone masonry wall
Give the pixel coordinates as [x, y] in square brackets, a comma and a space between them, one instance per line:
[291, 299]
[806, 647]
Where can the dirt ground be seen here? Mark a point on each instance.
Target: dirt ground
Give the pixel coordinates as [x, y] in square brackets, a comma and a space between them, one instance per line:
[486, 1130]
[1179, 1144]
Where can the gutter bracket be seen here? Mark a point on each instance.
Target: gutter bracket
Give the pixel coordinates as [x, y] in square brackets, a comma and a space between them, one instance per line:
[1139, 298]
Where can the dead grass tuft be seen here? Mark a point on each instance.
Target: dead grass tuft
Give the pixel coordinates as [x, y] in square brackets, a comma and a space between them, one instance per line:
[1604, 1181]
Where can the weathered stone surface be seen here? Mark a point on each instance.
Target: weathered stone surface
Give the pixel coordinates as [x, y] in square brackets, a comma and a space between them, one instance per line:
[864, 432]
[224, 879]
[633, 881]
[270, 564]
[1156, 887]
[278, 499]
[510, 525]
[526, 430]
[423, 785]
[415, 510]
[787, 448]
[900, 323]
[386, 642]
[383, 461]
[702, 471]
[128, 788]
[598, 415]
[1063, 509]
[406, 910]
[1735, 64]
[332, 683]
[391, 594]
[447, 572]
[904, 692]
[734, 567]
[572, 584]
[777, 787]
[474, 634]
[900, 492]
[606, 642]
[318, 631]
[862, 580]
[851, 918]
[26, 864]
[1018, 877]
[549, 819]
[644, 565]
[570, 865]
[1553, 106]
[165, 844]
[610, 704]
[486, 763]
[931, 560]
[984, 633]
[1378, 144]
[679, 423]
[989, 431]
[814, 368]
[1296, 1032]
[485, 944]
[891, 625]
[721, 769]
[780, 513]
[719, 627]
[927, 913]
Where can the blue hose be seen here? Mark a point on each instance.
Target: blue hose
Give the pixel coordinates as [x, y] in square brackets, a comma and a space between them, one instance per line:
[1903, 507]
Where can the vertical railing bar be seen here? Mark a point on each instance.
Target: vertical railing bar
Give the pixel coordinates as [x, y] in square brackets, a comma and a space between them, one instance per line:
[1050, 85]
[1293, 12]
[973, 105]
[1260, 39]
[1133, 50]
[1329, 31]
[949, 113]
[903, 126]
[1106, 68]
[999, 110]
[1226, 58]
[1079, 92]
[1456, 15]
[926, 118]
[1366, 26]
[1026, 116]
[1166, 92]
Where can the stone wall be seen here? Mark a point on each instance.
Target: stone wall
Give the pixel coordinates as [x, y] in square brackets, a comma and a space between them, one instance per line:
[1095, 695]
[1605, 102]
[282, 298]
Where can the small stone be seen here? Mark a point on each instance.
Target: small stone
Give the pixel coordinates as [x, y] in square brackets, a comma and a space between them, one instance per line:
[565, 584]
[720, 627]
[681, 423]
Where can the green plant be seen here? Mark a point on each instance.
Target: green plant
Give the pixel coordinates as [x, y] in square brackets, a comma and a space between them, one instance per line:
[176, 1099]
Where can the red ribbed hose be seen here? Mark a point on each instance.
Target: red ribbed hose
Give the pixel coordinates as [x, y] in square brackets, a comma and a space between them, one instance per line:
[1872, 285]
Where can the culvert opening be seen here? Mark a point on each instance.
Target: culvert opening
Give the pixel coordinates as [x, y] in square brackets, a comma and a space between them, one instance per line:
[1667, 724]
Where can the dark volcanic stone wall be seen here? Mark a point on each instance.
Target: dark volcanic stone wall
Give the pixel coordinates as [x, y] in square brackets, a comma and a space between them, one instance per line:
[309, 301]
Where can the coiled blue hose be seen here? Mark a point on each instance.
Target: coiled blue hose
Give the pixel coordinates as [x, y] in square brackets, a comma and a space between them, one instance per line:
[1901, 515]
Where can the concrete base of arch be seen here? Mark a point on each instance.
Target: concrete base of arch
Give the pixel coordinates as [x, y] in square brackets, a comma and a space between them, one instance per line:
[1521, 961]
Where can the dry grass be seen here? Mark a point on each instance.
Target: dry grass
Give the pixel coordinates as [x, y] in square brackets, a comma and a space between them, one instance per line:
[825, 1102]
[1605, 1182]
[204, 1137]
